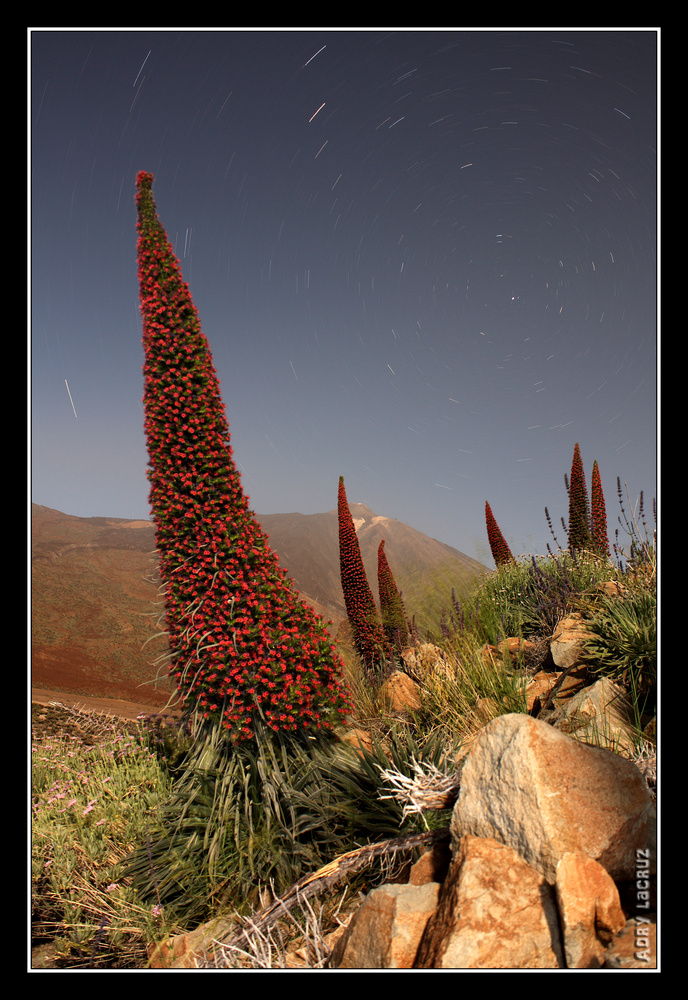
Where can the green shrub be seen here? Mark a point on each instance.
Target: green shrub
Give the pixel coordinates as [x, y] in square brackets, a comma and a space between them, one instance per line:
[528, 597]
[467, 689]
[624, 643]
[89, 804]
[262, 814]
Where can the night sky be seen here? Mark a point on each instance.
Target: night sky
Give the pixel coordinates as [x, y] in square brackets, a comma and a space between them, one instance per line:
[424, 260]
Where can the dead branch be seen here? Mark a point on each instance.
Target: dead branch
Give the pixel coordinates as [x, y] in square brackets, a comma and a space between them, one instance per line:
[326, 877]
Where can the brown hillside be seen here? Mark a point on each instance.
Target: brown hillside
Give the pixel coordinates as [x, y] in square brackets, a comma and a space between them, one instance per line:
[94, 606]
[95, 600]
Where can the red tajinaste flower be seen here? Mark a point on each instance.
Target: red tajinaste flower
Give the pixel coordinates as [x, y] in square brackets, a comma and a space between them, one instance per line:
[237, 627]
[501, 553]
[369, 636]
[392, 609]
[598, 513]
[579, 510]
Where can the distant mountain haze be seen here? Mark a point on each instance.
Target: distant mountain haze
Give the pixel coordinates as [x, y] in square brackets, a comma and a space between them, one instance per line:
[95, 600]
[425, 570]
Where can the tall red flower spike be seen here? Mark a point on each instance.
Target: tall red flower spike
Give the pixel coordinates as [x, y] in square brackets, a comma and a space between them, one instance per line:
[501, 553]
[243, 644]
[579, 511]
[394, 619]
[598, 513]
[369, 637]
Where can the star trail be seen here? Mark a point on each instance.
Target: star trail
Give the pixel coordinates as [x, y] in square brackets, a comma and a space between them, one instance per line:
[424, 260]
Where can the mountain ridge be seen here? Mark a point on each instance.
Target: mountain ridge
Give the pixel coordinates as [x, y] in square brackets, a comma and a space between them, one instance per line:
[95, 596]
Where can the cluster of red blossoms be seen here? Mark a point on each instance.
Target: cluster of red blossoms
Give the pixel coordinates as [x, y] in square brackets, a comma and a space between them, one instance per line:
[598, 513]
[579, 514]
[243, 644]
[501, 553]
[587, 523]
[392, 608]
[369, 636]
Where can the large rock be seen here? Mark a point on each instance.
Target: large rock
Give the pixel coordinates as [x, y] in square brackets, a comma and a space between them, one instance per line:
[494, 912]
[385, 931]
[543, 793]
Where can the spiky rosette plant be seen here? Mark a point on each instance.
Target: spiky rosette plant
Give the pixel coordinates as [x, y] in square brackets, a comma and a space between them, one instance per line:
[369, 636]
[579, 510]
[243, 646]
[501, 553]
[392, 609]
[598, 513]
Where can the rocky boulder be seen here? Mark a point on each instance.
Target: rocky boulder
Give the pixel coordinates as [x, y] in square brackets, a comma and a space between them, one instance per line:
[494, 912]
[542, 831]
[566, 642]
[601, 714]
[387, 928]
[589, 910]
[545, 794]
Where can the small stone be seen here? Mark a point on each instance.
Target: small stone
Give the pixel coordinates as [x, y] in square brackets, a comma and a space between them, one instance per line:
[432, 866]
[402, 692]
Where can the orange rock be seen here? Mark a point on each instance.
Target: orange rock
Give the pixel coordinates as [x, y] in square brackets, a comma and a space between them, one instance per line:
[401, 691]
[589, 909]
[494, 912]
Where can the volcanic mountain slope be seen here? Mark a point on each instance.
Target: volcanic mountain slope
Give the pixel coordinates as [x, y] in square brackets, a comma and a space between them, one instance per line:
[95, 600]
[425, 570]
[94, 607]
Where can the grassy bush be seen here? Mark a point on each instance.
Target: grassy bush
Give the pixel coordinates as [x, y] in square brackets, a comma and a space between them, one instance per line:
[91, 801]
[467, 689]
[249, 820]
[528, 597]
[624, 644]
[624, 626]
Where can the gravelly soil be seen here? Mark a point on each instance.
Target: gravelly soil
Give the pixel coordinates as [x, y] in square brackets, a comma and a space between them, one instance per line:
[55, 720]
[119, 707]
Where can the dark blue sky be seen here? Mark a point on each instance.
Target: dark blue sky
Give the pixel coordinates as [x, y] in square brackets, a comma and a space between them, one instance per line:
[424, 260]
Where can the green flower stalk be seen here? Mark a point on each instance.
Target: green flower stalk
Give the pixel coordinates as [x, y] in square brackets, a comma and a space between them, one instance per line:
[392, 609]
[598, 513]
[369, 636]
[245, 650]
[579, 510]
[501, 553]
